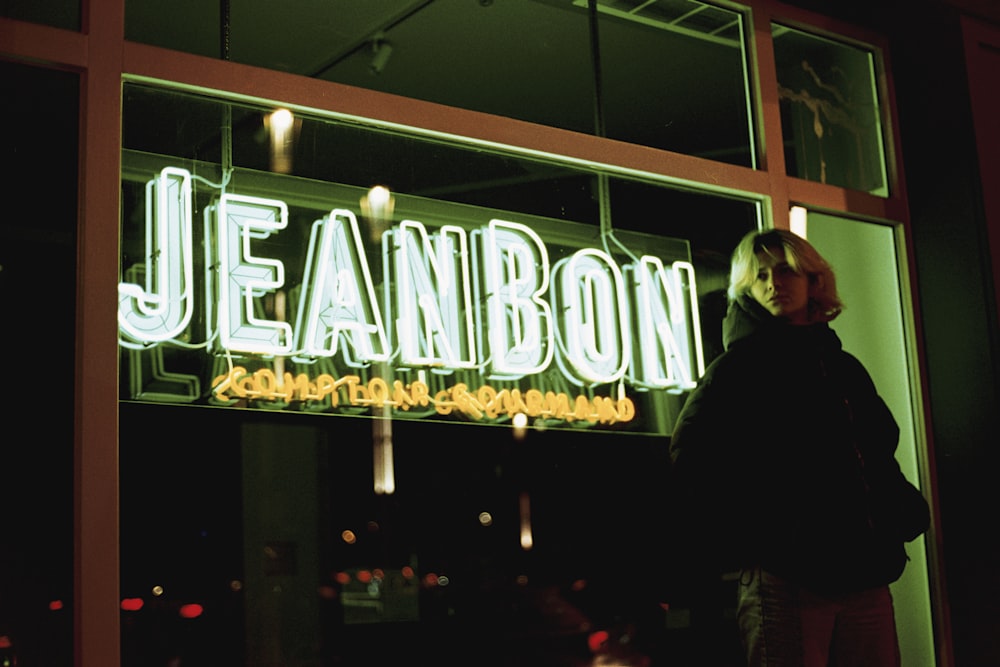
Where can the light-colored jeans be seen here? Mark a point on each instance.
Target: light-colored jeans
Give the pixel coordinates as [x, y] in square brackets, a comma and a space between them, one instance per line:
[784, 625]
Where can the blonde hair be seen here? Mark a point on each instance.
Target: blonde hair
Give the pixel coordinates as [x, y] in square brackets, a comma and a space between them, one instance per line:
[824, 302]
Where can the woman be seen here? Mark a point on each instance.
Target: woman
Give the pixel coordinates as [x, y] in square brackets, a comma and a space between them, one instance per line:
[783, 459]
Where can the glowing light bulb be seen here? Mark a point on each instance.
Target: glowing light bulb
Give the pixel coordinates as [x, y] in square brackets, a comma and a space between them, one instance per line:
[281, 123]
[379, 197]
[281, 120]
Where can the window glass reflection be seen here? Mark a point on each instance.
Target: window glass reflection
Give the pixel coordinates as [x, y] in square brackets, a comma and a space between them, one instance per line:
[673, 75]
[669, 74]
[829, 111]
[251, 541]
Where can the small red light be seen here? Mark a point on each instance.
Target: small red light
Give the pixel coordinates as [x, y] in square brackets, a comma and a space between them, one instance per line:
[132, 604]
[343, 578]
[55, 605]
[364, 576]
[191, 610]
[598, 640]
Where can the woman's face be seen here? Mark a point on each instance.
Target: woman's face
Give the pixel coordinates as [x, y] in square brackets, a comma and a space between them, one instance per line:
[778, 287]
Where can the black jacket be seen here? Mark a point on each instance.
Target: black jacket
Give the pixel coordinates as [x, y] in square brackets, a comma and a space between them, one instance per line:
[783, 458]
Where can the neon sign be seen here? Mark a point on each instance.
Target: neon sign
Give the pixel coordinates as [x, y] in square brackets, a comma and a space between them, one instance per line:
[485, 300]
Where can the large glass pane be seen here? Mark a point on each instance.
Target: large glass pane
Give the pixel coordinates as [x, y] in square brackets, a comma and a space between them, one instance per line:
[270, 530]
[830, 113]
[673, 75]
[38, 293]
[864, 257]
[228, 278]
[669, 74]
[250, 539]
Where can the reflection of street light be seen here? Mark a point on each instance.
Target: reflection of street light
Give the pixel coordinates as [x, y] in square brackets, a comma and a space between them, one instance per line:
[519, 422]
[524, 502]
[385, 476]
[377, 207]
[281, 127]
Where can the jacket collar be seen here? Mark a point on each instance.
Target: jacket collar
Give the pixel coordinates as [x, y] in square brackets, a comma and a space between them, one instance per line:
[747, 320]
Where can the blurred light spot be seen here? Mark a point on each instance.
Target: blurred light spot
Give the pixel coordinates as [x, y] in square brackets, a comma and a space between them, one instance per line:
[327, 592]
[364, 576]
[349, 536]
[377, 206]
[55, 605]
[157, 591]
[281, 124]
[235, 585]
[485, 519]
[407, 572]
[527, 541]
[281, 120]
[373, 527]
[430, 579]
[598, 640]
[190, 610]
[520, 423]
[443, 580]
[522, 580]
[378, 573]
[579, 585]
[5, 642]
[343, 578]
[131, 604]
[378, 202]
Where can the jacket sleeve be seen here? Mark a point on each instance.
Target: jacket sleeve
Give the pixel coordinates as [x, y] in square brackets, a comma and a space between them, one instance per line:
[701, 442]
[689, 428]
[897, 506]
[707, 525]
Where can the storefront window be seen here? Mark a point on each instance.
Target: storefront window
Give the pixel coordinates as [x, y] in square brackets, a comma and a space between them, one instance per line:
[670, 75]
[38, 233]
[830, 112]
[329, 532]
[485, 287]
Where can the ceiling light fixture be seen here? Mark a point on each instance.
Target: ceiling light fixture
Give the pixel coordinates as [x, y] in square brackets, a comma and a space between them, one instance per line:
[381, 52]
